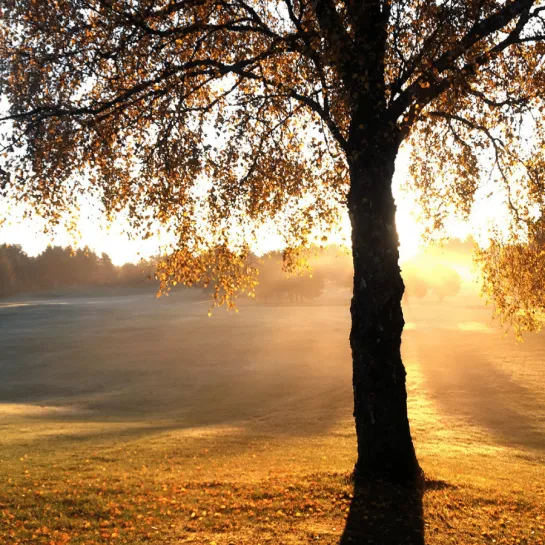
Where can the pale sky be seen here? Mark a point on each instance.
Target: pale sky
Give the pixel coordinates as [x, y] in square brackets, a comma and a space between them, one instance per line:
[97, 235]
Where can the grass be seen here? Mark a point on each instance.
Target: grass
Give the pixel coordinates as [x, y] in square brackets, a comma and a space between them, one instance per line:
[170, 487]
[268, 459]
[86, 483]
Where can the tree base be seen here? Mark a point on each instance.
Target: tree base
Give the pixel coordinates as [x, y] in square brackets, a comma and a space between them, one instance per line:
[412, 477]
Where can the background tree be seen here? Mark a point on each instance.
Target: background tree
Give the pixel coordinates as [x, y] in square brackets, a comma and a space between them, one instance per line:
[213, 117]
[61, 268]
[8, 276]
[423, 275]
[276, 286]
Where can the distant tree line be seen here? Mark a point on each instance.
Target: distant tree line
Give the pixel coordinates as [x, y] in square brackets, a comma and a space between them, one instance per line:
[324, 269]
[276, 286]
[58, 268]
[442, 281]
[331, 268]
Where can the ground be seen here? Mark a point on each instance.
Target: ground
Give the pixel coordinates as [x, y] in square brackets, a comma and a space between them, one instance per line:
[126, 419]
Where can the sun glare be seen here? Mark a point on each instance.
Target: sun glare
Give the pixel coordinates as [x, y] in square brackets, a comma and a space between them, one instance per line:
[92, 232]
[410, 234]
[114, 239]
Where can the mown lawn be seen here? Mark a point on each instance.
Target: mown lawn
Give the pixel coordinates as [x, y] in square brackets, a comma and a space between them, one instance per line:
[123, 422]
[85, 483]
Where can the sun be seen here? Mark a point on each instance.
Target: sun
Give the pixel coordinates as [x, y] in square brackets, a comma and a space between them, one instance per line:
[410, 234]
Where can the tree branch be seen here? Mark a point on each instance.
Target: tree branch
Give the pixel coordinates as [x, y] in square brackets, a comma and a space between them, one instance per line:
[426, 87]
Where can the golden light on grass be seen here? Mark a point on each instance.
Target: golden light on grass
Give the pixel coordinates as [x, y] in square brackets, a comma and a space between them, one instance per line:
[69, 476]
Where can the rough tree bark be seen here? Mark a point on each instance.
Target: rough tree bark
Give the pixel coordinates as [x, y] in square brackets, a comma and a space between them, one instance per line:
[385, 448]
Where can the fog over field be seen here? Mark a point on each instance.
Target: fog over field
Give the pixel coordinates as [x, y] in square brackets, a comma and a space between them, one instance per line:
[130, 417]
[128, 357]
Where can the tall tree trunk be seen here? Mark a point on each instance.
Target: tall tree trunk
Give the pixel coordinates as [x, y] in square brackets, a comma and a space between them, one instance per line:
[385, 448]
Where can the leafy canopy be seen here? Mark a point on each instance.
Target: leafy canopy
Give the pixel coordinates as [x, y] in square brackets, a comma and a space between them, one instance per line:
[214, 117]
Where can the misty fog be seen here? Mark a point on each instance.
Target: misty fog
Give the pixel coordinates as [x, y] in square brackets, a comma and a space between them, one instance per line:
[281, 364]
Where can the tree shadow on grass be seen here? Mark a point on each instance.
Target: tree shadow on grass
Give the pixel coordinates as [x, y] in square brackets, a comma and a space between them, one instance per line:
[386, 514]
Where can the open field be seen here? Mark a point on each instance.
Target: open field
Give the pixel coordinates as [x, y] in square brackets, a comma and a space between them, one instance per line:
[135, 420]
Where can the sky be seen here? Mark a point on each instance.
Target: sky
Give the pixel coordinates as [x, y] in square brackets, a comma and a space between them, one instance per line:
[114, 240]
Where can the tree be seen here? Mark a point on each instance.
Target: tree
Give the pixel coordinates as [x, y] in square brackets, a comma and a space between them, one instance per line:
[8, 277]
[214, 117]
[16, 270]
[514, 282]
[277, 286]
[422, 276]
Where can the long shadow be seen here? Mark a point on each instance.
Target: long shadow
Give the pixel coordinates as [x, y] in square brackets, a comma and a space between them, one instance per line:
[382, 513]
[139, 362]
[387, 514]
[466, 383]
